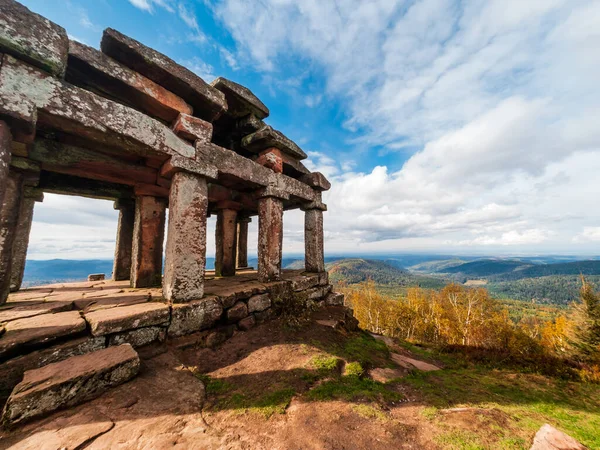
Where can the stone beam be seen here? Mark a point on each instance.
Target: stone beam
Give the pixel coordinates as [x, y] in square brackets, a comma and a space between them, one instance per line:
[29, 96]
[70, 185]
[93, 70]
[208, 102]
[242, 241]
[185, 260]
[33, 38]
[71, 160]
[270, 238]
[179, 163]
[9, 217]
[148, 236]
[317, 181]
[268, 137]
[5, 155]
[226, 241]
[124, 241]
[240, 100]
[21, 241]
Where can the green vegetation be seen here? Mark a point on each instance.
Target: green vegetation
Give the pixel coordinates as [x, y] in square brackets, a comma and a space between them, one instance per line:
[274, 402]
[326, 364]
[487, 267]
[369, 412]
[352, 388]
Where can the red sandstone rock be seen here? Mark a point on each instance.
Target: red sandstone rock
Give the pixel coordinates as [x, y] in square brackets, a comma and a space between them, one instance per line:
[148, 238]
[268, 137]
[316, 180]
[314, 258]
[9, 217]
[15, 311]
[5, 153]
[139, 337]
[226, 242]
[237, 312]
[549, 438]
[124, 318]
[259, 303]
[191, 128]
[272, 159]
[70, 382]
[270, 238]
[195, 316]
[123, 246]
[247, 323]
[240, 100]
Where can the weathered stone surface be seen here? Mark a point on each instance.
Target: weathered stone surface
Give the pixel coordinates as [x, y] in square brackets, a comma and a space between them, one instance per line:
[186, 240]
[304, 281]
[25, 91]
[194, 316]
[247, 323]
[263, 316]
[313, 294]
[259, 303]
[314, 256]
[138, 337]
[124, 318]
[334, 299]
[24, 334]
[24, 164]
[179, 163]
[148, 238]
[96, 277]
[237, 312]
[16, 311]
[226, 242]
[268, 137]
[93, 70]
[21, 242]
[249, 124]
[57, 183]
[294, 187]
[191, 128]
[5, 154]
[323, 278]
[94, 303]
[33, 38]
[270, 238]
[316, 180]
[208, 102]
[70, 382]
[124, 241]
[240, 100]
[242, 241]
[11, 371]
[549, 438]
[271, 158]
[9, 218]
[230, 292]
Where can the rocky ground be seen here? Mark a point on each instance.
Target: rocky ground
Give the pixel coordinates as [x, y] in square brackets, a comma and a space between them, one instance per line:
[316, 386]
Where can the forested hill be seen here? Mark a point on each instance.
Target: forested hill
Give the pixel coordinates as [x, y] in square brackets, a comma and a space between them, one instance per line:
[545, 270]
[487, 267]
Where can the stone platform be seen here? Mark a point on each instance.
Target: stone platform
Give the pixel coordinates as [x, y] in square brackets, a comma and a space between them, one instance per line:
[47, 324]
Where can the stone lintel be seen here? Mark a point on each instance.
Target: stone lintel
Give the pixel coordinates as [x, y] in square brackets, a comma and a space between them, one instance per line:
[180, 163]
[271, 191]
[36, 194]
[208, 103]
[33, 38]
[151, 190]
[240, 100]
[24, 164]
[25, 91]
[268, 137]
[317, 181]
[313, 205]
[123, 203]
[71, 185]
[229, 204]
[192, 128]
[185, 254]
[93, 70]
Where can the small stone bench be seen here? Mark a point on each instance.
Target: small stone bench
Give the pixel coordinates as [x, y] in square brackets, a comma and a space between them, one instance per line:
[70, 382]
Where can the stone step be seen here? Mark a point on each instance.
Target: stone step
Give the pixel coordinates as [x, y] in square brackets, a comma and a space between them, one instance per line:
[70, 382]
[125, 318]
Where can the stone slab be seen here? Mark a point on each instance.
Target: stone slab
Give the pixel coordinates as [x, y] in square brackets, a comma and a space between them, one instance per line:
[194, 316]
[208, 102]
[303, 282]
[90, 304]
[259, 302]
[334, 299]
[549, 438]
[33, 38]
[192, 128]
[240, 100]
[124, 318]
[180, 163]
[70, 382]
[92, 69]
[24, 334]
[229, 292]
[138, 337]
[14, 311]
[11, 371]
[268, 137]
[316, 180]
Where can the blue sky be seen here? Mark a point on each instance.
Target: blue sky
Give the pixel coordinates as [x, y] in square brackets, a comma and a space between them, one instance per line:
[445, 126]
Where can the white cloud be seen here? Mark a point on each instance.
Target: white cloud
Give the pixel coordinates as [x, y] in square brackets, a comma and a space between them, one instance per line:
[589, 234]
[200, 68]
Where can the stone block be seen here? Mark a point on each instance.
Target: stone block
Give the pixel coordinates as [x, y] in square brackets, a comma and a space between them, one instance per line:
[263, 316]
[247, 323]
[305, 281]
[96, 277]
[14, 311]
[259, 303]
[23, 334]
[549, 438]
[124, 318]
[180, 163]
[138, 337]
[93, 70]
[272, 159]
[11, 371]
[70, 382]
[208, 102]
[191, 128]
[231, 292]
[194, 316]
[249, 124]
[237, 312]
[334, 299]
[268, 137]
[240, 100]
[33, 38]
[316, 180]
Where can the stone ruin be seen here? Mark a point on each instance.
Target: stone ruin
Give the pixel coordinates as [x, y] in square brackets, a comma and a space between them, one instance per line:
[129, 124]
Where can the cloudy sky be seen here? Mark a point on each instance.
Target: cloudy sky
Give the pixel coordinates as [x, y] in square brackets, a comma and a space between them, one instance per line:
[469, 127]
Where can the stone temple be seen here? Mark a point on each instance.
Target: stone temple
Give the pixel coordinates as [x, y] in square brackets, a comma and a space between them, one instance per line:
[127, 123]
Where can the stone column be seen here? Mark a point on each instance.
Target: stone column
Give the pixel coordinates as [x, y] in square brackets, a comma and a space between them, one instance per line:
[148, 236]
[9, 217]
[314, 258]
[270, 238]
[21, 241]
[5, 149]
[226, 241]
[242, 241]
[185, 260]
[124, 244]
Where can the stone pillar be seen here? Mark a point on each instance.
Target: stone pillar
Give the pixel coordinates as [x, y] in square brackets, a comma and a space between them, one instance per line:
[270, 238]
[5, 149]
[9, 217]
[124, 244]
[21, 241]
[242, 241]
[148, 236]
[185, 260]
[314, 259]
[226, 242]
